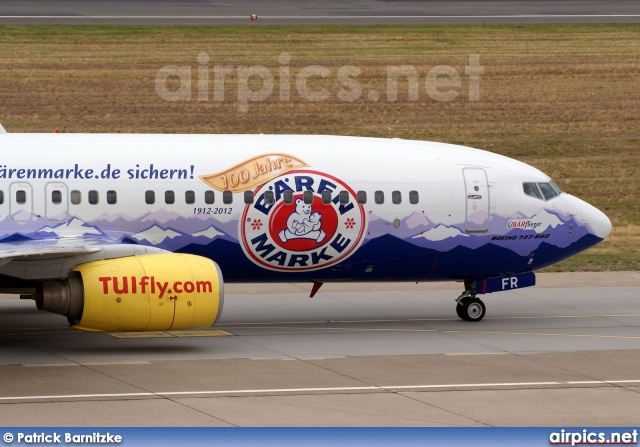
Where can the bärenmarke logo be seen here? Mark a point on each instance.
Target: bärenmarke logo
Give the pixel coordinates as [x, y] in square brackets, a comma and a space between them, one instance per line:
[282, 231]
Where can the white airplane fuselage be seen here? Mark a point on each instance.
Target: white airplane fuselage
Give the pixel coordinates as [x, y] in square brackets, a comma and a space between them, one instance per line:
[283, 208]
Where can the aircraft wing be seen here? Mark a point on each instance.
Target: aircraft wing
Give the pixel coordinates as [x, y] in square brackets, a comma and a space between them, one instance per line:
[53, 258]
[47, 248]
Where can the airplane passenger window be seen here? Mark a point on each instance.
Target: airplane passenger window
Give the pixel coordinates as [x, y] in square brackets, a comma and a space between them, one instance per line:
[169, 197]
[209, 197]
[396, 197]
[326, 197]
[227, 197]
[288, 197]
[21, 197]
[112, 197]
[150, 197]
[269, 198]
[414, 198]
[308, 197]
[189, 197]
[248, 197]
[547, 191]
[56, 197]
[379, 196]
[93, 197]
[76, 197]
[531, 189]
[344, 197]
[1, 197]
[362, 197]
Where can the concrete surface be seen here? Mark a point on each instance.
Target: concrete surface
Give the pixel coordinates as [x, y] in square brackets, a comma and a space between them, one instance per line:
[543, 356]
[360, 12]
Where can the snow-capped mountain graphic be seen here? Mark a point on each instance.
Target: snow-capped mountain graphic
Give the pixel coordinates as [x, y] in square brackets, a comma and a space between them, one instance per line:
[161, 216]
[196, 226]
[556, 230]
[155, 235]
[171, 239]
[229, 228]
[547, 220]
[209, 233]
[551, 228]
[410, 226]
[444, 238]
[440, 233]
[73, 228]
[160, 229]
[22, 216]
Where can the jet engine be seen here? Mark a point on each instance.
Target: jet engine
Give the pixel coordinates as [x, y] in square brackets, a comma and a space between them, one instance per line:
[157, 292]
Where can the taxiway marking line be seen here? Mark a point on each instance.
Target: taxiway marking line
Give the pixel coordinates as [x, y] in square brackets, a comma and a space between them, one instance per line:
[545, 334]
[446, 331]
[285, 325]
[68, 330]
[541, 317]
[390, 388]
[337, 329]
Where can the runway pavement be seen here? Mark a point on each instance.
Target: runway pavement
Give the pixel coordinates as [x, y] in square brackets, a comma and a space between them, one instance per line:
[542, 356]
[289, 12]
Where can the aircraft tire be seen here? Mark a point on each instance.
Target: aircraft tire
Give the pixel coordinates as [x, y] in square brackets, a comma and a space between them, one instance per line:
[460, 310]
[471, 309]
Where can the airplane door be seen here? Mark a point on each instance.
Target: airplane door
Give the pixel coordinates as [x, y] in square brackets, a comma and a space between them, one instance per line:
[21, 201]
[477, 191]
[57, 204]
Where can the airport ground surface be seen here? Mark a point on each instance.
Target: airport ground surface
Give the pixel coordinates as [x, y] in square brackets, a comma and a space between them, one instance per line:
[288, 12]
[565, 352]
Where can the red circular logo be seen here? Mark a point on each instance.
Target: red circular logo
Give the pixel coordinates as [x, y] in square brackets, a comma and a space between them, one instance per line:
[283, 231]
[319, 213]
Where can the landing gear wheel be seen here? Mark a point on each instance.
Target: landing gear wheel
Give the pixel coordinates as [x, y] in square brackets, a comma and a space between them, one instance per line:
[460, 310]
[471, 309]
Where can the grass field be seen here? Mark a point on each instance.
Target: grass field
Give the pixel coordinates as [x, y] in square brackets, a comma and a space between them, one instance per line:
[564, 98]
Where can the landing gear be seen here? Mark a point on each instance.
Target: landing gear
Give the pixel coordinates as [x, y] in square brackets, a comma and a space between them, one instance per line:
[468, 306]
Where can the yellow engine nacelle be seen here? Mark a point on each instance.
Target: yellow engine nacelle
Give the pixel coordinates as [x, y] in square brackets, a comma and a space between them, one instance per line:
[139, 293]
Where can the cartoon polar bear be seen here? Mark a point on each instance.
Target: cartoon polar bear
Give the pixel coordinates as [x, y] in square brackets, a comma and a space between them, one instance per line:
[313, 222]
[301, 224]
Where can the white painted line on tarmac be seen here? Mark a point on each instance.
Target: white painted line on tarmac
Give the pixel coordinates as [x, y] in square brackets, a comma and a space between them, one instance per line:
[476, 385]
[443, 331]
[387, 320]
[329, 389]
